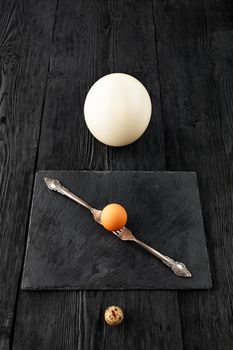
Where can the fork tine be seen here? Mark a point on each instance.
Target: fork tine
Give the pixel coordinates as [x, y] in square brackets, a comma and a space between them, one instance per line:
[115, 233]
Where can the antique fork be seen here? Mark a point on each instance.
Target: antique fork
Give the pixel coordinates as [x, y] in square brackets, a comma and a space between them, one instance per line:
[177, 267]
[124, 234]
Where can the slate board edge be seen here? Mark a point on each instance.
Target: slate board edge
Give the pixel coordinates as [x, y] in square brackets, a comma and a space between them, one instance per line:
[24, 285]
[205, 238]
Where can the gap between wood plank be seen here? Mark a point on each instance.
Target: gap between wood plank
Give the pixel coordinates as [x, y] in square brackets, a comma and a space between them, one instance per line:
[33, 183]
[161, 103]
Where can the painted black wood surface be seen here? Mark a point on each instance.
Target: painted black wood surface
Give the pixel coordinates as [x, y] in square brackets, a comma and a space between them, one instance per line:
[199, 136]
[25, 40]
[67, 249]
[108, 30]
[51, 52]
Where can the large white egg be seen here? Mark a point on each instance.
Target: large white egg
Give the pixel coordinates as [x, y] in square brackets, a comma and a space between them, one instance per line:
[117, 109]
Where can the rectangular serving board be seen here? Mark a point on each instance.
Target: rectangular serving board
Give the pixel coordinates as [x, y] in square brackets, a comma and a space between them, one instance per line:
[67, 249]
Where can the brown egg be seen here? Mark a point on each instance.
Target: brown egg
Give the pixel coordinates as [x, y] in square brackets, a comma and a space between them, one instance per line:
[113, 315]
[113, 217]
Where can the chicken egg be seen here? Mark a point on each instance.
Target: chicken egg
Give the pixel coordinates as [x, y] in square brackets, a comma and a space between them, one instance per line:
[113, 217]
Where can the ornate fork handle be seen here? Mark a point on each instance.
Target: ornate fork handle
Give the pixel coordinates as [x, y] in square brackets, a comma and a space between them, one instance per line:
[177, 267]
[55, 185]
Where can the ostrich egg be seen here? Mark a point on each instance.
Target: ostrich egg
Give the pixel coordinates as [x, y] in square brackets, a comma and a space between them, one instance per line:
[117, 109]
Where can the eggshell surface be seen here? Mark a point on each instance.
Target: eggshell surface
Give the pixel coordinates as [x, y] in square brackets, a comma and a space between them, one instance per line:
[113, 217]
[114, 315]
[117, 109]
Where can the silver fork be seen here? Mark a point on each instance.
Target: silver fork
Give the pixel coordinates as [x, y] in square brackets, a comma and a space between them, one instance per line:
[177, 267]
[124, 234]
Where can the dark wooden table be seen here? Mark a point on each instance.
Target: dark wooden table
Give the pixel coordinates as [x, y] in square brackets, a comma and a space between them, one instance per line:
[51, 53]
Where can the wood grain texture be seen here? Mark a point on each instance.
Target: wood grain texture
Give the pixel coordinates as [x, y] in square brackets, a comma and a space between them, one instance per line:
[70, 320]
[67, 249]
[195, 48]
[91, 39]
[25, 38]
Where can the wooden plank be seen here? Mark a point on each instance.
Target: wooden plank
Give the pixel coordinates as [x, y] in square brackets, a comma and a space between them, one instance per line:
[74, 320]
[25, 38]
[195, 46]
[91, 39]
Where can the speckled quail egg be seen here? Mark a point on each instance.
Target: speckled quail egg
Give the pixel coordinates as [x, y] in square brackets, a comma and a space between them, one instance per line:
[114, 315]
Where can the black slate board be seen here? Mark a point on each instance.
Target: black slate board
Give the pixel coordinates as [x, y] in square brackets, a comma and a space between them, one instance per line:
[67, 249]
